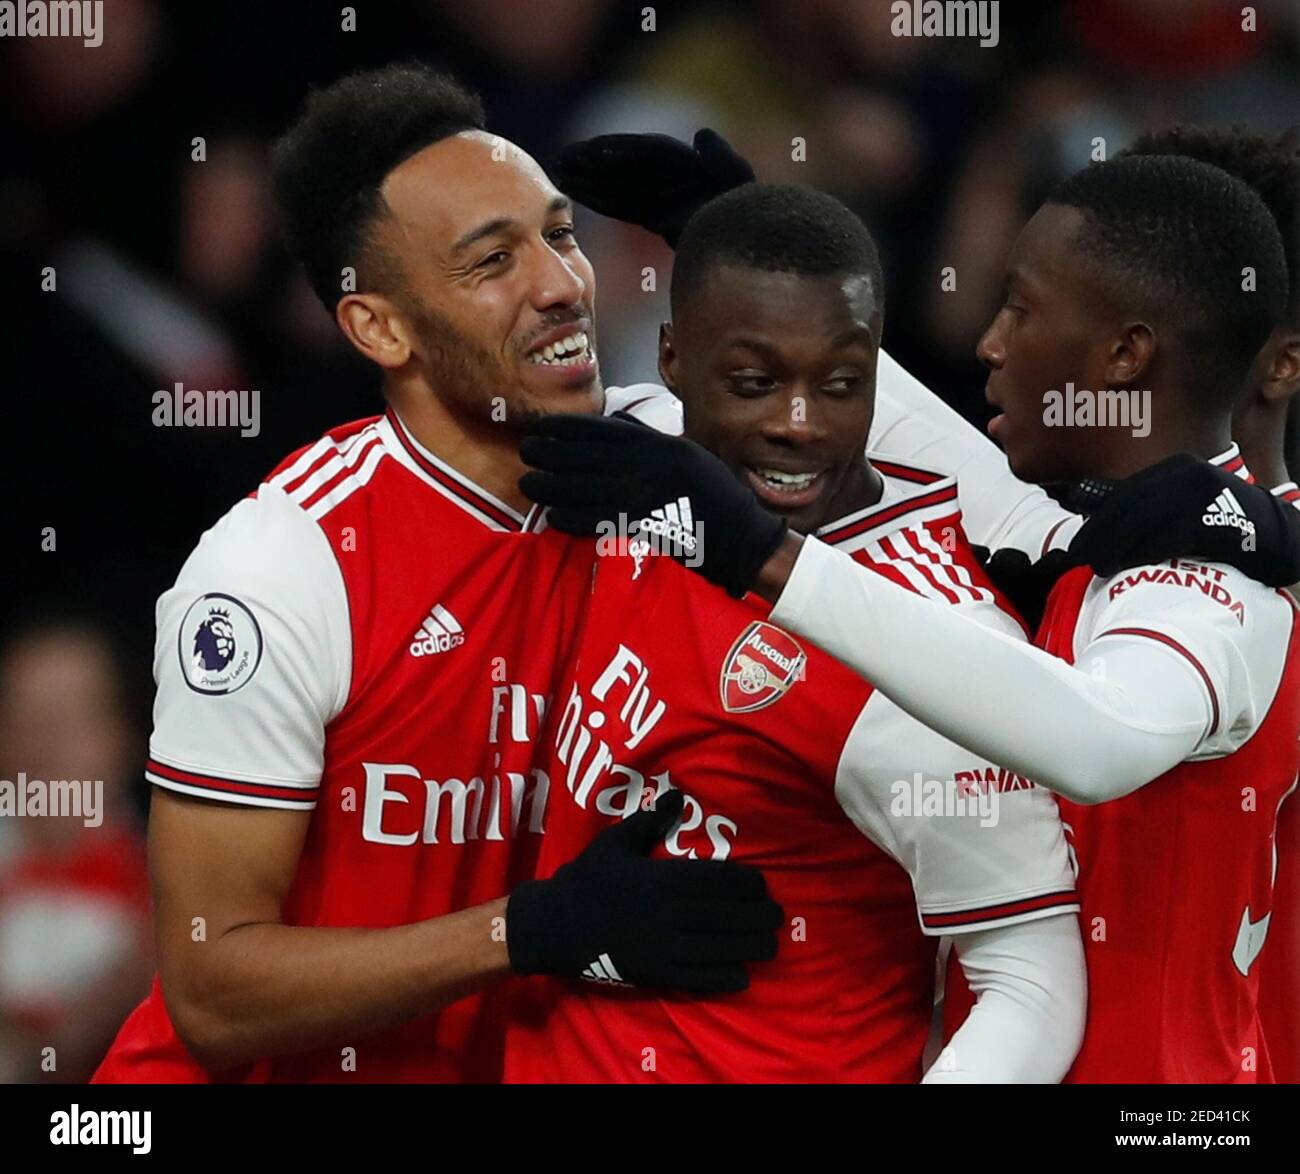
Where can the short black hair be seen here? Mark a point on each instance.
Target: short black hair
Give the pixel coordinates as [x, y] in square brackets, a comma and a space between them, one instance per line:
[1172, 236]
[330, 163]
[1271, 166]
[778, 228]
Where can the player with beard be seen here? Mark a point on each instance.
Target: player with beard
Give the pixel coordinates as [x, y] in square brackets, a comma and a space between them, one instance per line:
[355, 663]
[1164, 703]
[876, 835]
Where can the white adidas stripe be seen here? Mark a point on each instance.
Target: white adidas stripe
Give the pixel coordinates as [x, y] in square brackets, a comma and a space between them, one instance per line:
[303, 463]
[348, 485]
[345, 458]
[445, 617]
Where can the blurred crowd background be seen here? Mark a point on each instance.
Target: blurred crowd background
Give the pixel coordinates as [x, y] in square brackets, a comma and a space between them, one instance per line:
[169, 270]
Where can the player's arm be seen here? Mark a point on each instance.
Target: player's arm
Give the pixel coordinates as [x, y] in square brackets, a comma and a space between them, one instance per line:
[1027, 1023]
[999, 510]
[240, 985]
[1138, 699]
[991, 869]
[253, 660]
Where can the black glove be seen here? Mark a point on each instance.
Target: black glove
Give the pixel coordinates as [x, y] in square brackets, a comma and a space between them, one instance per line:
[1185, 507]
[655, 181]
[1027, 585]
[594, 469]
[614, 914]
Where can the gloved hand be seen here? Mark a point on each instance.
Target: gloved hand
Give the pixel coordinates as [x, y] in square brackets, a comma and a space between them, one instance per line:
[1184, 507]
[687, 925]
[672, 491]
[655, 181]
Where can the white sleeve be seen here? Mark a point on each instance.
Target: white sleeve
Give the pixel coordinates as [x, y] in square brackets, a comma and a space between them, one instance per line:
[982, 845]
[998, 509]
[650, 403]
[252, 660]
[1090, 731]
[1027, 1024]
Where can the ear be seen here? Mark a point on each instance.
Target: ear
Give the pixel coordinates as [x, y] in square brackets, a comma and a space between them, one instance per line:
[1282, 376]
[377, 328]
[667, 357]
[1131, 355]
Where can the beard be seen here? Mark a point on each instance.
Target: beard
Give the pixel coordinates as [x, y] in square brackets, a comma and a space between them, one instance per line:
[460, 369]
[477, 383]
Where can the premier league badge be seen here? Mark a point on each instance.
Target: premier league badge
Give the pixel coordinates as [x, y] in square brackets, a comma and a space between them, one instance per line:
[220, 644]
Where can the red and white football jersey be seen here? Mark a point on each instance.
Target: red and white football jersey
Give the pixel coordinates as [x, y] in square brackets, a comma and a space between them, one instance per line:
[372, 638]
[1176, 878]
[792, 763]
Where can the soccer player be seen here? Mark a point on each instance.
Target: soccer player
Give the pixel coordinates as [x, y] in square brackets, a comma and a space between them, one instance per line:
[876, 835]
[1271, 166]
[354, 665]
[658, 182]
[1164, 703]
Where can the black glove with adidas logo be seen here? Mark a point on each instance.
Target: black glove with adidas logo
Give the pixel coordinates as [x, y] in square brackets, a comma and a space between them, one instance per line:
[1184, 507]
[598, 474]
[614, 915]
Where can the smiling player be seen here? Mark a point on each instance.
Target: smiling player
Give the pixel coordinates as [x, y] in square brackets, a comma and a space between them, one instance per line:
[354, 665]
[788, 760]
[1168, 695]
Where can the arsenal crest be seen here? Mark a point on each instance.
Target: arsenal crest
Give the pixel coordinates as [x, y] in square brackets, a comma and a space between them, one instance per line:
[760, 668]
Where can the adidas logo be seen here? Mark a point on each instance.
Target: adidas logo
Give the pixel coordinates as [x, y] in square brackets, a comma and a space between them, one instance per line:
[674, 522]
[603, 970]
[1225, 510]
[439, 633]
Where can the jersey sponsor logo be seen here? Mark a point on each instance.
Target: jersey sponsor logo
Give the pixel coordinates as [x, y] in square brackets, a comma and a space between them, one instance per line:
[762, 666]
[219, 644]
[440, 632]
[485, 801]
[1225, 510]
[594, 731]
[1250, 940]
[1195, 576]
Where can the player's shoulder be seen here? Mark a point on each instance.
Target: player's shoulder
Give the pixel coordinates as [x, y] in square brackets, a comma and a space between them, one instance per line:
[1191, 591]
[271, 541]
[650, 403]
[320, 476]
[914, 536]
[336, 440]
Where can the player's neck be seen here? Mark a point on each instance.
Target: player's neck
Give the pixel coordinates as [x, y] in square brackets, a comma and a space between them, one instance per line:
[862, 487]
[484, 451]
[1126, 454]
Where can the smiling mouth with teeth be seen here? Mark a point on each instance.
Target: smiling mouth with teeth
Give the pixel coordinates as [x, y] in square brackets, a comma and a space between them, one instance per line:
[786, 482]
[568, 352]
